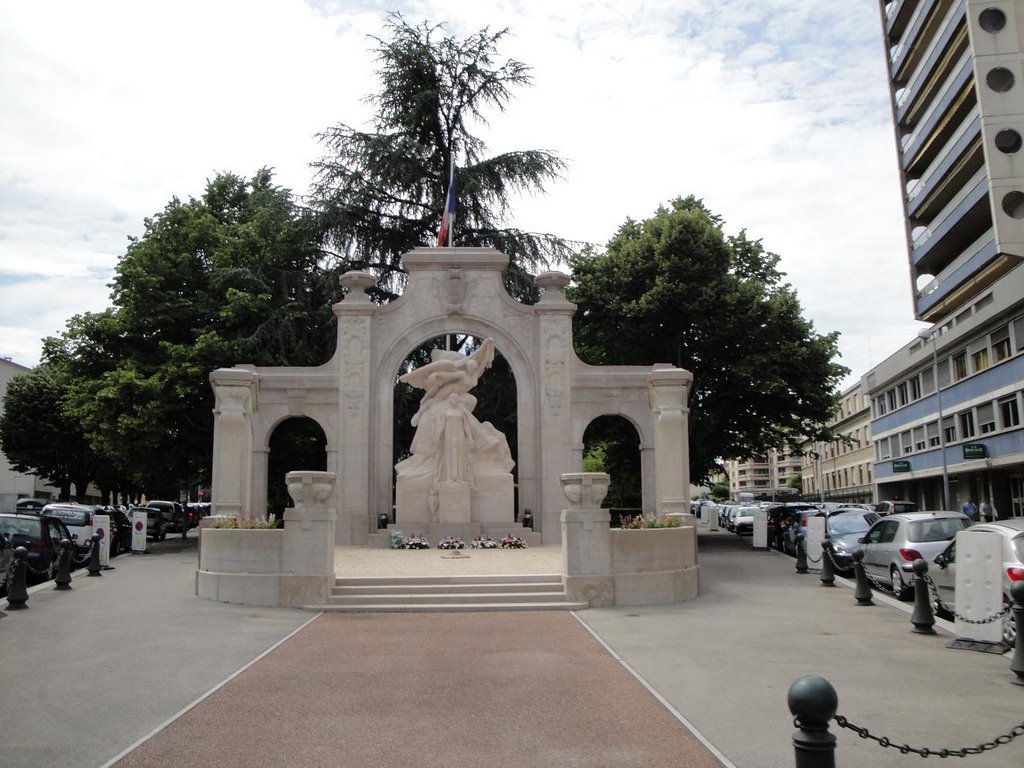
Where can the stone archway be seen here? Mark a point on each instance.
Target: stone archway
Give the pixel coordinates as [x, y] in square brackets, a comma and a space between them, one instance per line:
[350, 396]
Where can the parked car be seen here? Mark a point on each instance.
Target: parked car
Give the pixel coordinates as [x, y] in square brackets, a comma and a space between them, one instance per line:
[743, 520]
[943, 572]
[77, 518]
[730, 517]
[174, 515]
[895, 541]
[845, 528]
[41, 536]
[156, 526]
[794, 524]
[30, 505]
[895, 507]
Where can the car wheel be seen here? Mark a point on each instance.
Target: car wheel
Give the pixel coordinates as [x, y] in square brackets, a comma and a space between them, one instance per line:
[899, 587]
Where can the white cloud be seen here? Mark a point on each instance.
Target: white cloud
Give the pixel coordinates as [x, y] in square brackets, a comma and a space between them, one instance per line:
[773, 111]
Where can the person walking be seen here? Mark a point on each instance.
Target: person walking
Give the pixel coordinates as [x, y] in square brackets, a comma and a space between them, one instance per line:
[987, 512]
[970, 509]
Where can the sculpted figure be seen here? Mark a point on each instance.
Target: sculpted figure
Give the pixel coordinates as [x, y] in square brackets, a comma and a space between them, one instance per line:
[451, 445]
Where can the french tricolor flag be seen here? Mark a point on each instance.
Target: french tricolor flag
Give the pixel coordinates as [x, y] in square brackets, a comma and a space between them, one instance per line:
[444, 232]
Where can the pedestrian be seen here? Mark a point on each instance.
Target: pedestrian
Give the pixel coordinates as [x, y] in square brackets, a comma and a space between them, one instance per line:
[970, 509]
[987, 512]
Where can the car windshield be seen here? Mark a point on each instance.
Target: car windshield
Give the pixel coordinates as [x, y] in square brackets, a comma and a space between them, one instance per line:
[935, 530]
[9, 526]
[840, 524]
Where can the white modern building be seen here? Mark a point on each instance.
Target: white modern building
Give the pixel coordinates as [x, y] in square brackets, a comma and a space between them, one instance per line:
[946, 408]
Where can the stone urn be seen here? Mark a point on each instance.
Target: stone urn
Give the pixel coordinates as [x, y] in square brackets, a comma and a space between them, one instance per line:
[585, 489]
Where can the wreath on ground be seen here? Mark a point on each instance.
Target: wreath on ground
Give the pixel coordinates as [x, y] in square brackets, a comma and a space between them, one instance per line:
[417, 542]
[451, 542]
[484, 542]
[513, 542]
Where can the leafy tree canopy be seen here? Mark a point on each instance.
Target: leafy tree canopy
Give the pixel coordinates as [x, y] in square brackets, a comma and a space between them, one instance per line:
[675, 289]
[380, 193]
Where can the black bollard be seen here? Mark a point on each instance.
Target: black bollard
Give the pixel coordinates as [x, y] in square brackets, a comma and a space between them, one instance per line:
[94, 560]
[1017, 662]
[801, 557]
[862, 592]
[923, 617]
[63, 577]
[813, 703]
[17, 591]
[828, 574]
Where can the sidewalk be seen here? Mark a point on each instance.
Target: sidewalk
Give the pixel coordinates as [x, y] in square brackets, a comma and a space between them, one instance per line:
[132, 666]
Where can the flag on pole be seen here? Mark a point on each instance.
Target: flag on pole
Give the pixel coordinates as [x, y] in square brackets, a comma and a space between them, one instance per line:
[445, 230]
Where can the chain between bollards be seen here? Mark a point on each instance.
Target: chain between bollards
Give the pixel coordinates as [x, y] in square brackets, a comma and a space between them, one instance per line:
[813, 703]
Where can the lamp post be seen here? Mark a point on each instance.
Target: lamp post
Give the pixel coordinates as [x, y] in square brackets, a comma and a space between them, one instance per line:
[925, 334]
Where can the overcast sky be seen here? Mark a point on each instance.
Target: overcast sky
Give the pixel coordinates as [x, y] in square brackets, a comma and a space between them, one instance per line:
[775, 112]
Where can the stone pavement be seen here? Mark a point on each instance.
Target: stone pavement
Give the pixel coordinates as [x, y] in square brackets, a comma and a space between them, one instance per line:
[132, 670]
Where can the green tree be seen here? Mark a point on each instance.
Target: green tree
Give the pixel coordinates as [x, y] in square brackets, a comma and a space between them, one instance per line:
[231, 277]
[675, 289]
[38, 437]
[380, 193]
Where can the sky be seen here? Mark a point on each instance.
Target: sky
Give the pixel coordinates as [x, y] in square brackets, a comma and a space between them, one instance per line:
[774, 112]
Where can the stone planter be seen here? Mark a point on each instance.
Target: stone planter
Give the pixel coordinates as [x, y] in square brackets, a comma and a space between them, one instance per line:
[240, 565]
[653, 566]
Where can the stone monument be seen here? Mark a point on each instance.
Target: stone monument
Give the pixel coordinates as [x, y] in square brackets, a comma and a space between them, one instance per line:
[460, 470]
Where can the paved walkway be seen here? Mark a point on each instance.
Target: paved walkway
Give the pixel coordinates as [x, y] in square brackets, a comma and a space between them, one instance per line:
[132, 670]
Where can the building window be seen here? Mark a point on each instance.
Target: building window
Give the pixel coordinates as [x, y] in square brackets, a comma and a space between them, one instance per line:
[966, 424]
[1000, 341]
[919, 444]
[1009, 412]
[949, 429]
[902, 393]
[986, 418]
[979, 360]
[1018, 333]
[927, 381]
[882, 448]
[908, 445]
[944, 377]
[890, 399]
[932, 430]
[915, 388]
[959, 366]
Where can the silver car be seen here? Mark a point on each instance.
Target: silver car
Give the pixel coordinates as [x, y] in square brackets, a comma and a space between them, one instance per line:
[895, 541]
[943, 571]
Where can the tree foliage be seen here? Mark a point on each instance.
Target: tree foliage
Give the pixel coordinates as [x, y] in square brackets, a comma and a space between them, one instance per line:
[38, 437]
[232, 277]
[379, 193]
[675, 289]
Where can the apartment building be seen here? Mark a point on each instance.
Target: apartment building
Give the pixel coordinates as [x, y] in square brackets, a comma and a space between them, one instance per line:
[766, 477]
[17, 485]
[843, 470]
[946, 408]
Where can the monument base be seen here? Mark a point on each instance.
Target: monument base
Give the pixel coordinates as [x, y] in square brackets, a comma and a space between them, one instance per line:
[454, 503]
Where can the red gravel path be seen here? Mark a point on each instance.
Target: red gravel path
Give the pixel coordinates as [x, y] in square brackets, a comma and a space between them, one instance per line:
[430, 689]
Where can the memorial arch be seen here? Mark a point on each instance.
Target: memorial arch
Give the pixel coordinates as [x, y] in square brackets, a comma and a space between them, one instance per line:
[351, 396]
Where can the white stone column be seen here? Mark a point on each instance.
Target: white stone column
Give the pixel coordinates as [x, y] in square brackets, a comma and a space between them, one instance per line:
[232, 440]
[586, 539]
[355, 313]
[307, 557]
[554, 349]
[669, 390]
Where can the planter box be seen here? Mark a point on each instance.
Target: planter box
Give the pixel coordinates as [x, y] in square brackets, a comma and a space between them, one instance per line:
[240, 565]
[654, 566]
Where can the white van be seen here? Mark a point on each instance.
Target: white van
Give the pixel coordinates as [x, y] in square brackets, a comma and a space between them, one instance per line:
[78, 519]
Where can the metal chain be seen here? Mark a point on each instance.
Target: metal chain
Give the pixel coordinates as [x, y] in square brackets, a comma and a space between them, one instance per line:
[809, 558]
[878, 586]
[884, 741]
[85, 557]
[1007, 607]
[37, 571]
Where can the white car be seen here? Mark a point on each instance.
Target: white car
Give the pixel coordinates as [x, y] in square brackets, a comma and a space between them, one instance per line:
[743, 520]
[77, 518]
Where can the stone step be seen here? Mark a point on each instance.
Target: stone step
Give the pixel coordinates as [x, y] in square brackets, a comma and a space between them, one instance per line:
[446, 606]
[498, 592]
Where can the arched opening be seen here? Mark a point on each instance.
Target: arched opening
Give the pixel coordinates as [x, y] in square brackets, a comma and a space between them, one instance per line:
[496, 395]
[297, 443]
[612, 444]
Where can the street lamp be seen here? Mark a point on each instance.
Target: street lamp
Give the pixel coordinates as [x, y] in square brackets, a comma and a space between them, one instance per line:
[925, 334]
